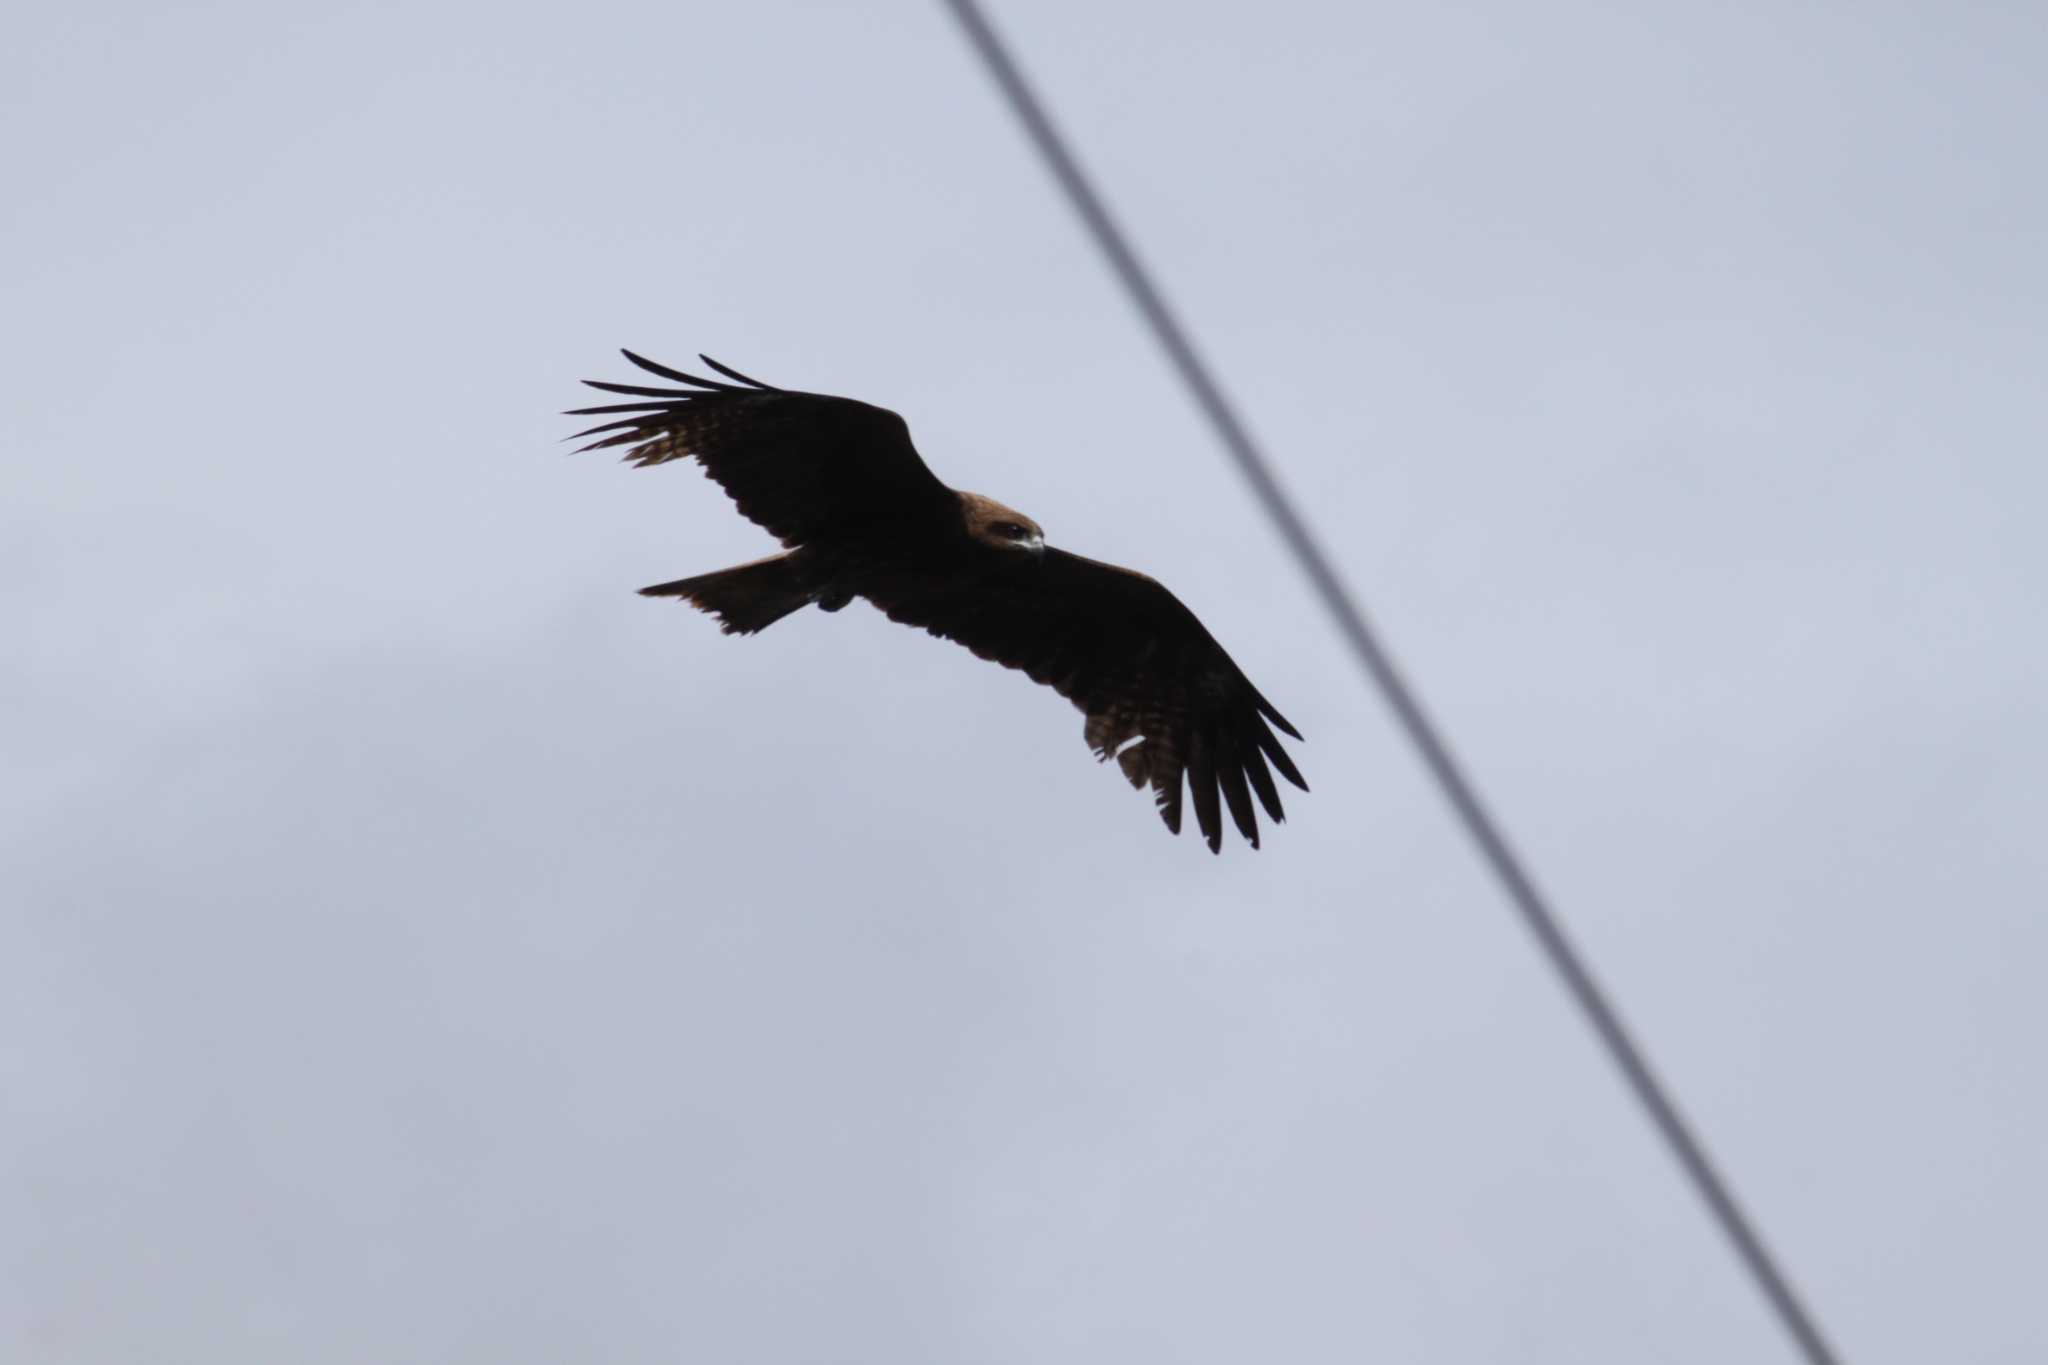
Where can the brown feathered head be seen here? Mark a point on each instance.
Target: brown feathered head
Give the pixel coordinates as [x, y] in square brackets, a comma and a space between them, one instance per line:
[991, 523]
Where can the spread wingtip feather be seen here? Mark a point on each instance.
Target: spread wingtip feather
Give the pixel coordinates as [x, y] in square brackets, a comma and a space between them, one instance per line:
[656, 367]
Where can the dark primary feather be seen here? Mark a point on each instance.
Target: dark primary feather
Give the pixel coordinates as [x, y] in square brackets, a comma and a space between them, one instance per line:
[1160, 694]
[798, 464]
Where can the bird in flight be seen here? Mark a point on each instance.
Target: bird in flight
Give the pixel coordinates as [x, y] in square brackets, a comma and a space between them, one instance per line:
[838, 482]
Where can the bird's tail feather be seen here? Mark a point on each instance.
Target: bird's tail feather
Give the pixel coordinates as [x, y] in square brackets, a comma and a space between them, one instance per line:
[745, 598]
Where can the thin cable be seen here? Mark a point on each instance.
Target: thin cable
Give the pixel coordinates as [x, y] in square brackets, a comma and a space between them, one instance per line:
[1351, 621]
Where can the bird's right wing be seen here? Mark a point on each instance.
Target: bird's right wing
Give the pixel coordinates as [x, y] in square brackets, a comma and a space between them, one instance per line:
[1161, 696]
[796, 463]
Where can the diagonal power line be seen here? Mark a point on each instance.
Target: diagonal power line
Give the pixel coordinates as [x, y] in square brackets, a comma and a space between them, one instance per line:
[1358, 633]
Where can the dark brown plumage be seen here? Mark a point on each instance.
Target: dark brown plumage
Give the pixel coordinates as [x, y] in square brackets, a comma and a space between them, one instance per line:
[840, 485]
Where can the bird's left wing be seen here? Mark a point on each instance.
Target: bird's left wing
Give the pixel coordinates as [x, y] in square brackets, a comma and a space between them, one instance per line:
[798, 464]
[1160, 695]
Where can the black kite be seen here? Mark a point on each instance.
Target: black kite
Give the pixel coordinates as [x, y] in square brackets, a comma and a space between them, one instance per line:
[840, 485]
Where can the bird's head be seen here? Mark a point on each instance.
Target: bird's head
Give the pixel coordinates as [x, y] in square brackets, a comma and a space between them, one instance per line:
[1003, 528]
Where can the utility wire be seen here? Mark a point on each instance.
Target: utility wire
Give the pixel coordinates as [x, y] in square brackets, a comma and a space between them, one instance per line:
[1351, 622]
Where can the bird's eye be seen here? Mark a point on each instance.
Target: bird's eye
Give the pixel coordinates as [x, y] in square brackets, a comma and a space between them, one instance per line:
[1010, 529]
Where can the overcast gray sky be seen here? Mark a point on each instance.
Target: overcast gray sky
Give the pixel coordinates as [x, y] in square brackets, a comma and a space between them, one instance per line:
[417, 948]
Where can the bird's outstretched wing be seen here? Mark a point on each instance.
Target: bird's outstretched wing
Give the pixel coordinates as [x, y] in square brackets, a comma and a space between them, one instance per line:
[796, 463]
[1160, 694]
